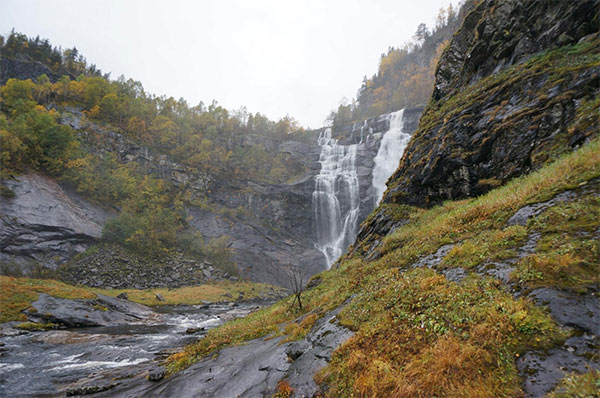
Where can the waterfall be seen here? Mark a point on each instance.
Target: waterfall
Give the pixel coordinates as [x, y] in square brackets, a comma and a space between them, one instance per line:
[390, 151]
[336, 198]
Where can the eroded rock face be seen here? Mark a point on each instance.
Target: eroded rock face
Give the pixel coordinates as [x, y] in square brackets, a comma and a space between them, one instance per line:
[500, 33]
[46, 223]
[478, 134]
[23, 69]
[270, 226]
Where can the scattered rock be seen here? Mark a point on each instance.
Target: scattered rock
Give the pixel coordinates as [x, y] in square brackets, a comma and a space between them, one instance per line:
[194, 330]
[296, 349]
[87, 390]
[123, 296]
[156, 374]
[160, 297]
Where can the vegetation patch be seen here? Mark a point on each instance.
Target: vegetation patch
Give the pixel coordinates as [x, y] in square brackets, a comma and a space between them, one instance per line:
[417, 334]
[566, 255]
[17, 294]
[214, 292]
[34, 326]
[575, 385]
[487, 246]
[420, 335]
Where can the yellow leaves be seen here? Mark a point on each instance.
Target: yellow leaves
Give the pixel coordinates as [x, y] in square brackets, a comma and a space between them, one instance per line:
[93, 113]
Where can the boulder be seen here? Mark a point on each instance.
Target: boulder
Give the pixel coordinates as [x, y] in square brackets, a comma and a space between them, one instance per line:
[103, 311]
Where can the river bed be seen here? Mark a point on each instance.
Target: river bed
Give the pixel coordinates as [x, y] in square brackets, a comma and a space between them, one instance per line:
[41, 364]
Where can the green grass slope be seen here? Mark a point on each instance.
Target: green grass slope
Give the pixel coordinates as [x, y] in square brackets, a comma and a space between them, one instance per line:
[419, 334]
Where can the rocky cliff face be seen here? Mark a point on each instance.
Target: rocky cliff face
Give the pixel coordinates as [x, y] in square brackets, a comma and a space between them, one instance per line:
[23, 69]
[271, 226]
[502, 102]
[517, 86]
[45, 224]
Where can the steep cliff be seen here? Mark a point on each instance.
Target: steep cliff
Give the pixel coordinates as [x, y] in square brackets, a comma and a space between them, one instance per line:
[517, 86]
[44, 224]
[508, 92]
[23, 69]
[271, 227]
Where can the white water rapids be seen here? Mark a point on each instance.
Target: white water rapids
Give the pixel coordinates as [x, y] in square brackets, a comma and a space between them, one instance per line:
[336, 198]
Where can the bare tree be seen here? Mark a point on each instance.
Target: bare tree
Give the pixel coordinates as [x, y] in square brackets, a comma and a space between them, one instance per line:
[297, 284]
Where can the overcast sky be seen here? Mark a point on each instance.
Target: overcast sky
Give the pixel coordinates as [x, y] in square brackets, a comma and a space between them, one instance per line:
[276, 57]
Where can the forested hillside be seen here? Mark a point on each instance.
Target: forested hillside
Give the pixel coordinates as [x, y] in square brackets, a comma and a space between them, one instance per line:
[405, 77]
[205, 139]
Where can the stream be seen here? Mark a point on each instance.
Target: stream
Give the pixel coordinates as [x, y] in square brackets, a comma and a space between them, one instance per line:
[42, 364]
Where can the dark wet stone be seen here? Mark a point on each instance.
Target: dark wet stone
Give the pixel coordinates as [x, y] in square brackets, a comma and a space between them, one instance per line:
[102, 311]
[541, 371]
[123, 296]
[498, 270]
[433, 260]
[193, 330]
[157, 374]
[87, 390]
[296, 349]
[455, 274]
[525, 213]
[571, 309]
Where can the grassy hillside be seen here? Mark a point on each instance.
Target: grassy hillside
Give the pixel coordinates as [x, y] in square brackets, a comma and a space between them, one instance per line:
[19, 293]
[420, 334]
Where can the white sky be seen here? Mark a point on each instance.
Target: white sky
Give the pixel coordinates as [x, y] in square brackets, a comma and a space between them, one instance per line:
[276, 57]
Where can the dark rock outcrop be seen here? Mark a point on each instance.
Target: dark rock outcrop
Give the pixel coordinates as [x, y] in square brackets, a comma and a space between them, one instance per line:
[500, 33]
[46, 223]
[505, 103]
[102, 311]
[23, 69]
[497, 113]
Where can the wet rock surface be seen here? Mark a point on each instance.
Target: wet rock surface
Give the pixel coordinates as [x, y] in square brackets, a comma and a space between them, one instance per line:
[96, 360]
[542, 370]
[511, 129]
[578, 311]
[313, 353]
[250, 370]
[46, 223]
[102, 311]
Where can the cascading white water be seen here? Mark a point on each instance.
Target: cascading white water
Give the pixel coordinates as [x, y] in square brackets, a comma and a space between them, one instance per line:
[392, 147]
[336, 199]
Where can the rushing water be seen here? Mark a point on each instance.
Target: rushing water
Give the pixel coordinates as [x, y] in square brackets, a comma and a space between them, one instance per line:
[336, 197]
[37, 364]
[390, 151]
